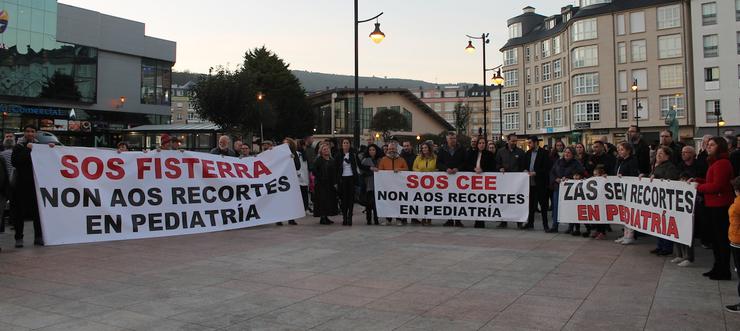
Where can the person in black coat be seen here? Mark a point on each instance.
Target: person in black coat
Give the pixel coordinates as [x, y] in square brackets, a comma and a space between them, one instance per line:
[451, 159]
[537, 164]
[480, 160]
[296, 162]
[325, 190]
[347, 177]
[627, 166]
[601, 156]
[23, 203]
[640, 150]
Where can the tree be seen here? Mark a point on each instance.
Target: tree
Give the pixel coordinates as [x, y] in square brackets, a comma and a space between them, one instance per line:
[229, 98]
[462, 116]
[60, 87]
[388, 120]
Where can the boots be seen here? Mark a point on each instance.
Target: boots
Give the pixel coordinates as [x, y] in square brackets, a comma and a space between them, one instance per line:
[369, 217]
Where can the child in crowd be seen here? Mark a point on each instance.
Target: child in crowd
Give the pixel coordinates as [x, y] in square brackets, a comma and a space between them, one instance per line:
[734, 236]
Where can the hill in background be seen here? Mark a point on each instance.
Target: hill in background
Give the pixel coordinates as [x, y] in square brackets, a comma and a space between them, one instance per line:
[316, 81]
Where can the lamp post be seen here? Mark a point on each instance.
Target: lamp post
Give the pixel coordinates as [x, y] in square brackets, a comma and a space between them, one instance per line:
[376, 36]
[471, 49]
[499, 81]
[720, 121]
[637, 105]
[260, 98]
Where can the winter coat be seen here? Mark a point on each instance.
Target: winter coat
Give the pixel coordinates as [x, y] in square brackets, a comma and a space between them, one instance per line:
[24, 194]
[565, 169]
[325, 199]
[425, 164]
[367, 174]
[510, 160]
[666, 170]
[487, 161]
[397, 164]
[716, 186]
[408, 157]
[627, 167]
[227, 152]
[450, 158]
[734, 231]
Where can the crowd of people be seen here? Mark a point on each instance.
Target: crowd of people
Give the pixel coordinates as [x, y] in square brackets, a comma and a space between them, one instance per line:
[334, 177]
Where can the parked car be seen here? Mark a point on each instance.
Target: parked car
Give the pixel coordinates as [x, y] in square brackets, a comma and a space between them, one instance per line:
[43, 137]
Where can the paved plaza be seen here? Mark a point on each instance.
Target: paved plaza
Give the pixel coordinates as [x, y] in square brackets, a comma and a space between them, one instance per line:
[359, 278]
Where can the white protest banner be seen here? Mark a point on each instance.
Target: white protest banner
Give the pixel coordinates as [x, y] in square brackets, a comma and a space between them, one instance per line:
[462, 196]
[661, 208]
[88, 195]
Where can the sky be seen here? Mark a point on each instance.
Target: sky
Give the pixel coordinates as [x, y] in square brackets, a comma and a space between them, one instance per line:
[425, 39]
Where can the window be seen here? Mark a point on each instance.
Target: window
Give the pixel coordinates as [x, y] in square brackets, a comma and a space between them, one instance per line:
[669, 17]
[621, 53]
[546, 74]
[669, 46]
[711, 74]
[639, 50]
[641, 76]
[556, 48]
[558, 114]
[620, 25]
[711, 46]
[529, 122]
[557, 68]
[671, 76]
[547, 118]
[536, 74]
[156, 82]
[668, 102]
[550, 24]
[529, 76]
[709, 13]
[179, 116]
[528, 54]
[511, 78]
[537, 119]
[529, 98]
[642, 108]
[511, 121]
[515, 30]
[637, 22]
[712, 108]
[557, 92]
[584, 30]
[586, 84]
[546, 48]
[537, 97]
[623, 110]
[586, 56]
[510, 57]
[511, 99]
[738, 42]
[191, 116]
[585, 3]
[622, 81]
[547, 94]
[737, 10]
[587, 111]
[368, 115]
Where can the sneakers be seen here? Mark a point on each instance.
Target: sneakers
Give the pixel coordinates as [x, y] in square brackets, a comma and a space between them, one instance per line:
[627, 241]
[619, 240]
[677, 260]
[733, 308]
[19, 243]
[685, 263]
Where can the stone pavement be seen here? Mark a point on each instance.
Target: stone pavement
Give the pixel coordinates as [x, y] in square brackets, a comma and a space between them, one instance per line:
[359, 278]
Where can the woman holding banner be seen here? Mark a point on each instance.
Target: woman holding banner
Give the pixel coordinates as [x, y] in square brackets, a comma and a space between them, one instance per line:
[426, 161]
[325, 172]
[566, 168]
[665, 169]
[368, 166]
[480, 160]
[718, 196]
[626, 166]
[348, 178]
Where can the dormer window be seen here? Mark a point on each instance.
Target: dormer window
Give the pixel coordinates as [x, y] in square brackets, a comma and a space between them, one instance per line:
[515, 30]
[550, 24]
[585, 3]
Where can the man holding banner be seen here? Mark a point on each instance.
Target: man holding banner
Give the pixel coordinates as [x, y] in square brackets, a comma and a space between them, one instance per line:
[450, 159]
[537, 165]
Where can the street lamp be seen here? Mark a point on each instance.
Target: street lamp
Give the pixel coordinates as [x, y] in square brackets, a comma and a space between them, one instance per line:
[376, 36]
[499, 81]
[720, 122]
[471, 49]
[260, 98]
[638, 107]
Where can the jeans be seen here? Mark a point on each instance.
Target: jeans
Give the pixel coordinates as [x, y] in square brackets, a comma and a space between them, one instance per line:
[719, 223]
[555, 195]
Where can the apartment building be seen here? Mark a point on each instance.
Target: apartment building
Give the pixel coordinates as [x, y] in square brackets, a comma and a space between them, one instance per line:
[570, 76]
[443, 100]
[716, 56]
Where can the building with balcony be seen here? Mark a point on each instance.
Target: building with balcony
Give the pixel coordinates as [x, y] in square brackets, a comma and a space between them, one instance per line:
[715, 34]
[569, 76]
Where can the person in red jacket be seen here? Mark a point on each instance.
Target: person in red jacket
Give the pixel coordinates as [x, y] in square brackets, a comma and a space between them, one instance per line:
[718, 196]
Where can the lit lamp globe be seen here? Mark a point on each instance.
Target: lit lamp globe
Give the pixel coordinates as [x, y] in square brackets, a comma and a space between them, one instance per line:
[721, 122]
[497, 80]
[470, 48]
[377, 36]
